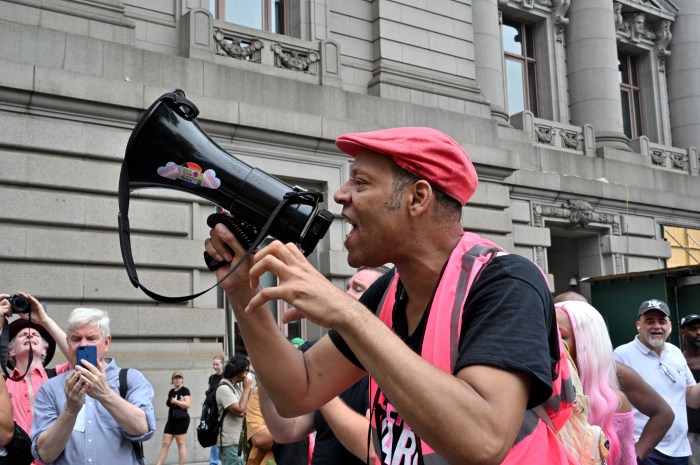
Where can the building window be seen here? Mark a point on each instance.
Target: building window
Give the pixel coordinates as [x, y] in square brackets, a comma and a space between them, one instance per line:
[520, 63]
[630, 94]
[267, 15]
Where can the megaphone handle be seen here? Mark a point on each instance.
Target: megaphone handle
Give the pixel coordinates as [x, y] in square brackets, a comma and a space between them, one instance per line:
[243, 231]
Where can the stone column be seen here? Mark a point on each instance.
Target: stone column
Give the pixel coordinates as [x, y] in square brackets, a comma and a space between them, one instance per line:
[594, 88]
[488, 57]
[683, 75]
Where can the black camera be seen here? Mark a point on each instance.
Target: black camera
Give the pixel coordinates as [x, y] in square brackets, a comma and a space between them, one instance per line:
[19, 304]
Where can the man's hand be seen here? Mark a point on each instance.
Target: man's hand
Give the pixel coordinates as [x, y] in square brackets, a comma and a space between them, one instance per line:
[5, 309]
[75, 389]
[300, 285]
[39, 315]
[96, 380]
[222, 245]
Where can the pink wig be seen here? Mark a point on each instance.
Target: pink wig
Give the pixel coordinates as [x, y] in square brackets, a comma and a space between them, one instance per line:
[596, 368]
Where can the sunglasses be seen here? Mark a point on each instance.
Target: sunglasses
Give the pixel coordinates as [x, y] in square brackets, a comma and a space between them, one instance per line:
[177, 377]
[667, 372]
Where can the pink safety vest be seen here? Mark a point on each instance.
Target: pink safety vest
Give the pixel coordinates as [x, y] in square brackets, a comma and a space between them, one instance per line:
[394, 441]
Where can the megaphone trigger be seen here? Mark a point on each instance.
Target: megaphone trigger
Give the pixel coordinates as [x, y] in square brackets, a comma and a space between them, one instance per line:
[244, 232]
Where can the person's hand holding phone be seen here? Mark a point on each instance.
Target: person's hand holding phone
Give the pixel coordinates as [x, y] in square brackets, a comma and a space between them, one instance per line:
[92, 372]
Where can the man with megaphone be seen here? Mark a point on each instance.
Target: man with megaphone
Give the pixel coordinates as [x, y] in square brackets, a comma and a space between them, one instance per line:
[444, 385]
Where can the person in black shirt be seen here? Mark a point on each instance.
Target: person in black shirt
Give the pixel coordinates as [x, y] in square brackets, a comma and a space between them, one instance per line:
[403, 205]
[178, 419]
[340, 425]
[690, 334]
[212, 384]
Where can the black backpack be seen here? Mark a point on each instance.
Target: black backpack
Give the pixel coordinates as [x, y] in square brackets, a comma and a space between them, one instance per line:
[209, 428]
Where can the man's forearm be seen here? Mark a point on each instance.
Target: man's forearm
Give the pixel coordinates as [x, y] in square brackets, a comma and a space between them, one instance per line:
[447, 403]
[129, 417]
[349, 427]
[58, 335]
[692, 397]
[51, 442]
[284, 430]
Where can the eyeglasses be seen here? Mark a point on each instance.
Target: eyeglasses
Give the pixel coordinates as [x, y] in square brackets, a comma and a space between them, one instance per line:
[667, 372]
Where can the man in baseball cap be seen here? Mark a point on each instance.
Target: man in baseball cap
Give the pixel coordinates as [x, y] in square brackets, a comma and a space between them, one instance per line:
[402, 204]
[663, 366]
[690, 335]
[653, 304]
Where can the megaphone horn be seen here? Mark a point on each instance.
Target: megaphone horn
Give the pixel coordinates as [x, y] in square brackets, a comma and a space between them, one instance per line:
[169, 149]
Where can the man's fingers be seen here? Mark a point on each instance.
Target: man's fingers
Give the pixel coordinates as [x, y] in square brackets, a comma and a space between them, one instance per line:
[292, 314]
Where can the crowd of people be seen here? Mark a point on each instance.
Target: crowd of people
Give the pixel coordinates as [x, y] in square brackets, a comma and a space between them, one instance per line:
[414, 368]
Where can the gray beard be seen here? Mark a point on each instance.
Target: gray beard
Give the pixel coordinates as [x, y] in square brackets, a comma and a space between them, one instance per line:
[655, 342]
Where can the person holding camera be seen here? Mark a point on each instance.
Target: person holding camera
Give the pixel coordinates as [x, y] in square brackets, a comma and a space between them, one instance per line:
[35, 340]
[80, 416]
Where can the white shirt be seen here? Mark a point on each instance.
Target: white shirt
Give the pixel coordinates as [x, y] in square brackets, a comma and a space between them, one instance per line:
[651, 368]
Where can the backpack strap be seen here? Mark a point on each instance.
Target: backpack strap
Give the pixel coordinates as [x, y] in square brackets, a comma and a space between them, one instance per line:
[123, 388]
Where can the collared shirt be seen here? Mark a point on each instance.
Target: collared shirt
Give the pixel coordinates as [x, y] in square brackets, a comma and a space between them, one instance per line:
[96, 437]
[22, 399]
[657, 372]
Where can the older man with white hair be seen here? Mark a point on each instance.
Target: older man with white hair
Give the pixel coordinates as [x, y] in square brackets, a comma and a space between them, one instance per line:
[80, 417]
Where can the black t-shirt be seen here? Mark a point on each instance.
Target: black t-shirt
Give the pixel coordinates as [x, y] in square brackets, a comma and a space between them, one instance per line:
[508, 322]
[328, 450]
[214, 381]
[694, 413]
[180, 393]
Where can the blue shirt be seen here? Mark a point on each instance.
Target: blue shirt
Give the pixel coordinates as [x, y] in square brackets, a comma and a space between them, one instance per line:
[102, 441]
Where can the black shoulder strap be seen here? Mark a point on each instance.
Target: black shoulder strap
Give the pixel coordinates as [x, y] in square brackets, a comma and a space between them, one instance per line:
[123, 386]
[50, 372]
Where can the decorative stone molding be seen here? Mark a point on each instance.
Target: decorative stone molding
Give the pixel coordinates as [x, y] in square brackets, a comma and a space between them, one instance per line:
[663, 39]
[560, 19]
[633, 27]
[296, 60]
[560, 136]
[665, 157]
[575, 214]
[529, 4]
[239, 48]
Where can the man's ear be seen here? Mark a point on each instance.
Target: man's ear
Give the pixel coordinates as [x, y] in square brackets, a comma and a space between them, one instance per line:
[421, 192]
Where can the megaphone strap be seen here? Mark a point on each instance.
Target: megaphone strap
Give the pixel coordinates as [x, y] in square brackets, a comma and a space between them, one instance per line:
[125, 242]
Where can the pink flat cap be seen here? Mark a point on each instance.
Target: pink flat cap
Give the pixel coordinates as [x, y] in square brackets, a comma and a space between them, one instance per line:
[424, 152]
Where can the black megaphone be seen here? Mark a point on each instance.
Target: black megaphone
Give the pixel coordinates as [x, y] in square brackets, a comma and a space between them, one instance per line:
[169, 149]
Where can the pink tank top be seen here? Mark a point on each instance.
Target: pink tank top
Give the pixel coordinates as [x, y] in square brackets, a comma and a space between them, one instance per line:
[624, 426]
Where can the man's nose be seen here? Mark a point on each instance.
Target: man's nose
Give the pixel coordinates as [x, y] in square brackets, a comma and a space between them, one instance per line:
[340, 195]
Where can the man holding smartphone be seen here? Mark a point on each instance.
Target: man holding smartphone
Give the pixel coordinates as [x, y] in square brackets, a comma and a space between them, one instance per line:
[79, 415]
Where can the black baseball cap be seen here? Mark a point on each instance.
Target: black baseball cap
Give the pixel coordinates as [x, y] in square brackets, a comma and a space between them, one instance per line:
[686, 320]
[653, 304]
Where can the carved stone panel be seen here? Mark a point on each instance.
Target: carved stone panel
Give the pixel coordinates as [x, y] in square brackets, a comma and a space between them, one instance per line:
[576, 214]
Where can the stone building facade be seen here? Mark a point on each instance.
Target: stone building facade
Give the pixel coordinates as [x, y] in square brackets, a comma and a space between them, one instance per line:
[581, 118]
